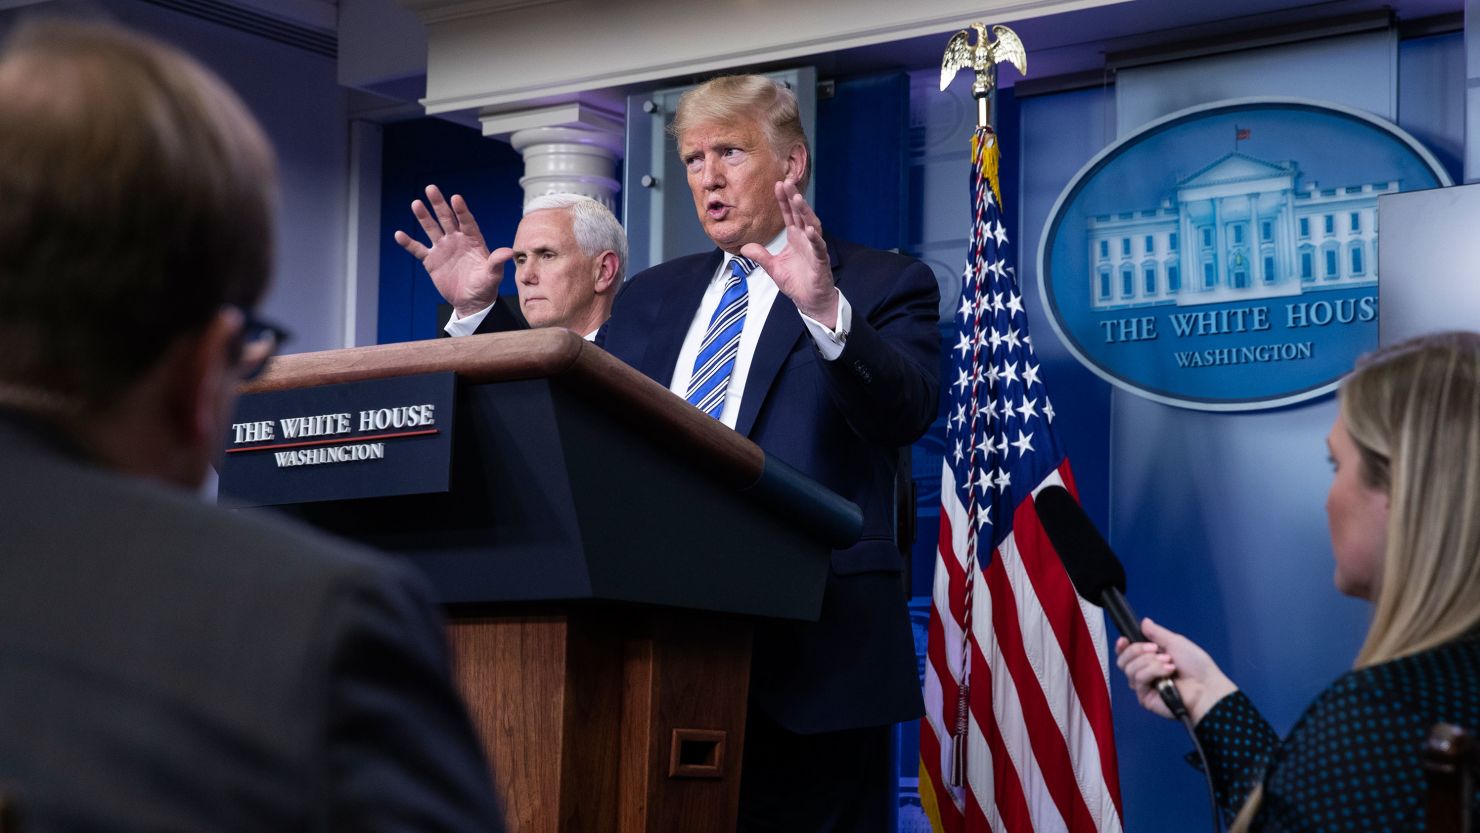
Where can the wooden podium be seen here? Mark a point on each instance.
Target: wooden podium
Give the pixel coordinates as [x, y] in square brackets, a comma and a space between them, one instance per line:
[602, 552]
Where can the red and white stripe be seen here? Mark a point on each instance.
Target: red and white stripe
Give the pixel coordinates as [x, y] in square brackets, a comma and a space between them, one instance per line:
[1040, 753]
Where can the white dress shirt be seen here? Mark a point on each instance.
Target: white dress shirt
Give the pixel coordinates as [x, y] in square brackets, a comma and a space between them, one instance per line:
[761, 291]
[466, 326]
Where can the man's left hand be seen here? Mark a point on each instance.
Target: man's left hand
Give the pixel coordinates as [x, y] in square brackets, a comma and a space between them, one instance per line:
[802, 270]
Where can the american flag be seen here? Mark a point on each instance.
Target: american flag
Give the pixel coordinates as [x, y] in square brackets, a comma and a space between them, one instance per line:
[1017, 734]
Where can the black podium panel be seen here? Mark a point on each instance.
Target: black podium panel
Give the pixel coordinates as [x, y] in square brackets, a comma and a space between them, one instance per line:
[554, 499]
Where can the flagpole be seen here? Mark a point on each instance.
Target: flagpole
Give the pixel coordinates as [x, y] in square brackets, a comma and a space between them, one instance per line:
[1004, 747]
[982, 57]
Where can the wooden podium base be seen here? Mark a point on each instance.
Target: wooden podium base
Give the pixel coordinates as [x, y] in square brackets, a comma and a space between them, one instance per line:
[608, 718]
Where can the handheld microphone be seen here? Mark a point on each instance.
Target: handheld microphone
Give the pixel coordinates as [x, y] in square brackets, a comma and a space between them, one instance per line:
[1097, 574]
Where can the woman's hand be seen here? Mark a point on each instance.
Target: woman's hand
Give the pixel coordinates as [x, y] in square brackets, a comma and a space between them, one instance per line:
[1170, 654]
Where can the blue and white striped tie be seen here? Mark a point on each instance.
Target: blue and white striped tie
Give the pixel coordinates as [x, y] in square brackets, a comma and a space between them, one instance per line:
[715, 363]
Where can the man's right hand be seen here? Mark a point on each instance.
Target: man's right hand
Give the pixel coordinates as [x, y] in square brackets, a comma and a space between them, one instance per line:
[458, 261]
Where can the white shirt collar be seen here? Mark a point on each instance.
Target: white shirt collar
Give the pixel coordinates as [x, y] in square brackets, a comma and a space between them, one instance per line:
[776, 245]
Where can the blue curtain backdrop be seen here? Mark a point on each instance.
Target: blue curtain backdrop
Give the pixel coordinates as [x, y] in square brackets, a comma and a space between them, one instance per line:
[862, 184]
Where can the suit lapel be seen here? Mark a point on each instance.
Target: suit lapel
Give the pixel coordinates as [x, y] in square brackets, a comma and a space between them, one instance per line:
[784, 328]
[680, 305]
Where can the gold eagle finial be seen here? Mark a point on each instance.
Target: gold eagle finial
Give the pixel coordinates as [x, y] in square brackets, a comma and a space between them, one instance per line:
[982, 56]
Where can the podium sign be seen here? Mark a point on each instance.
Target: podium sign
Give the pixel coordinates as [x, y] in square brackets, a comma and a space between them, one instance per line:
[372, 438]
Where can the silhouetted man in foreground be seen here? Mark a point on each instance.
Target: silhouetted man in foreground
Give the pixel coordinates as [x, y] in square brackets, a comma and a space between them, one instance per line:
[164, 664]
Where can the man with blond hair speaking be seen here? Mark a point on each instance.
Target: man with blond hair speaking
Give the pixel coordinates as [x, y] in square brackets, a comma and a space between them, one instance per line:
[826, 355]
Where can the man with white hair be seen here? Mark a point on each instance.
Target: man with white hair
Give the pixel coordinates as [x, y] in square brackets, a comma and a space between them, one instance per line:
[569, 253]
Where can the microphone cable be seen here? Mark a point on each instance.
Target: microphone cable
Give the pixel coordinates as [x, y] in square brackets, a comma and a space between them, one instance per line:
[1173, 699]
[1186, 720]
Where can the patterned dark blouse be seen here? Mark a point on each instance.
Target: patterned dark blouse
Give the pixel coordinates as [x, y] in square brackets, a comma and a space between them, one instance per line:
[1351, 763]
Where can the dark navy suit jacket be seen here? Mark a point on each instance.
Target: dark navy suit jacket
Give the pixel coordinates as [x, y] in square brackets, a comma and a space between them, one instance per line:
[841, 423]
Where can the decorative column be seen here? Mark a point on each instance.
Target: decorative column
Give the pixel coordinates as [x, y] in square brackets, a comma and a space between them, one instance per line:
[567, 149]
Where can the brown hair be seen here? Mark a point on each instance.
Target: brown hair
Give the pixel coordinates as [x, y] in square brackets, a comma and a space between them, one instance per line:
[732, 97]
[138, 199]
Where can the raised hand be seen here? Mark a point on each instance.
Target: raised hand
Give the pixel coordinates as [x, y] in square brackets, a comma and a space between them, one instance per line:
[462, 268]
[1199, 680]
[802, 270]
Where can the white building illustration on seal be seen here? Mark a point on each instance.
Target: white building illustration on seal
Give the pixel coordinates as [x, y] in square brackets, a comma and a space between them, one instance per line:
[1238, 229]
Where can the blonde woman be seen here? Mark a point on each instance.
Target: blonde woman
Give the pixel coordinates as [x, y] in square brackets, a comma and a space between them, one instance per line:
[1404, 513]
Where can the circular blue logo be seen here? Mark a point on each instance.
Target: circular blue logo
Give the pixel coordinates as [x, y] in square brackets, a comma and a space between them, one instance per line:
[1225, 257]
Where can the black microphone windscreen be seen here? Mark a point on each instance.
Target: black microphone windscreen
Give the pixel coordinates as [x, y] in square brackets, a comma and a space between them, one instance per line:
[1091, 564]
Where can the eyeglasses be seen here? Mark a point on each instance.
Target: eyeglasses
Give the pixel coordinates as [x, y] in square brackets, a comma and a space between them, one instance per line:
[259, 341]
